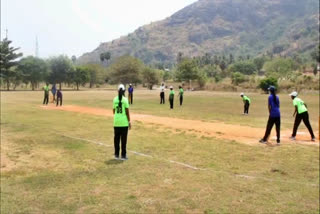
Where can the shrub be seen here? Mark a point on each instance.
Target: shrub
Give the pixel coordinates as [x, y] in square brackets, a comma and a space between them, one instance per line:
[238, 78]
[267, 82]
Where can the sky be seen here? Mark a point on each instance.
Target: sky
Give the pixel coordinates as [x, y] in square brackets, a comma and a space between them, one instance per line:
[74, 27]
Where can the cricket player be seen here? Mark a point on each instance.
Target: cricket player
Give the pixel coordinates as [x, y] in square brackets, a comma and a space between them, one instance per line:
[274, 115]
[247, 102]
[121, 123]
[301, 113]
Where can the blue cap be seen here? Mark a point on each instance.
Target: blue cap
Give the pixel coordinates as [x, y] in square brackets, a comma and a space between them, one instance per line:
[272, 88]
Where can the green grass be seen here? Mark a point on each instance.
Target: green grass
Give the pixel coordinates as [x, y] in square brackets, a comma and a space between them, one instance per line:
[49, 172]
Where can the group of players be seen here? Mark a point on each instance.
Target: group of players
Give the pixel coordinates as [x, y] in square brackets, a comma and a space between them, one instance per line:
[122, 116]
[54, 92]
[300, 113]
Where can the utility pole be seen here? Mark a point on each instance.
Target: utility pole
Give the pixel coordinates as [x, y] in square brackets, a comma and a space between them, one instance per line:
[37, 48]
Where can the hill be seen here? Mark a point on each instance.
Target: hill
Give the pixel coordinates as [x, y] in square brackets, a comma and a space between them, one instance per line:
[241, 27]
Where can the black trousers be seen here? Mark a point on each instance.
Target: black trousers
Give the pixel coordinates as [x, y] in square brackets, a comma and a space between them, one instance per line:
[271, 122]
[46, 99]
[130, 98]
[59, 99]
[181, 100]
[161, 97]
[305, 117]
[246, 107]
[171, 103]
[120, 133]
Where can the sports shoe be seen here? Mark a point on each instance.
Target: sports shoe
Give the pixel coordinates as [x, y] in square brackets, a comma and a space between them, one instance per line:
[124, 158]
[116, 157]
[278, 141]
[262, 141]
[313, 139]
[292, 138]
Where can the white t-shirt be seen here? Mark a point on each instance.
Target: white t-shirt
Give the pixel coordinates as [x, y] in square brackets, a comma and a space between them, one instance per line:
[162, 88]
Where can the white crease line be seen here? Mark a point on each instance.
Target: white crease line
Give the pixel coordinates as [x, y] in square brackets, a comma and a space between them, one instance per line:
[186, 165]
[192, 167]
[141, 154]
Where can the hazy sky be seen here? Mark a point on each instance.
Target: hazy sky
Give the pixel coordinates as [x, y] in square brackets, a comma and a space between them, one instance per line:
[74, 27]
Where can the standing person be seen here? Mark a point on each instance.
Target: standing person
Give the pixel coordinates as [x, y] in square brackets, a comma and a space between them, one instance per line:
[53, 91]
[171, 97]
[46, 94]
[181, 94]
[121, 123]
[162, 88]
[130, 90]
[59, 97]
[274, 115]
[247, 102]
[301, 113]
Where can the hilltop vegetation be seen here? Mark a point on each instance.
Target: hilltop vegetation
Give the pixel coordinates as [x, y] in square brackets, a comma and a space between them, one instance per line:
[240, 27]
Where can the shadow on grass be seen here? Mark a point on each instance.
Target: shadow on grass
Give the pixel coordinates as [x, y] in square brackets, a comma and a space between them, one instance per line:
[113, 162]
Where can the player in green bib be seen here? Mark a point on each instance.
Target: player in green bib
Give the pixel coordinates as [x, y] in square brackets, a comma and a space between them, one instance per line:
[46, 94]
[171, 97]
[121, 123]
[246, 101]
[181, 94]
[301, 113]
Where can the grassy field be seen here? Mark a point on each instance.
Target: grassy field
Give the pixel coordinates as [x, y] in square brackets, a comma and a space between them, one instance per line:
[62, 162]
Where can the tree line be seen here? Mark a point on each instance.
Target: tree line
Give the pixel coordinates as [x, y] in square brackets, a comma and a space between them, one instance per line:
[30, 70]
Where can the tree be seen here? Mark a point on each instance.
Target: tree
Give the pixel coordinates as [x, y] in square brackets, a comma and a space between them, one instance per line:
[74, 59]
[187, 70]
[179, 57]
[267, 82]
[105, 56]
[150, 76]
[8, 59]
[279, 66]
[315, 54]
[259, 62]
[244, 67]
[125, 70]
[33, 70]
[238, 78]
[223, 65]
[60, 67]
[231, 59]
[97, 74]
[80, 76]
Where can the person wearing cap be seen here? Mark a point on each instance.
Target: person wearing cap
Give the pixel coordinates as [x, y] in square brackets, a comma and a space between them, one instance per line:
[121, 123]
[274, 115]
[53, 91]
[130, 90]
[171, 97]
[162, 88]
[46, 94]
[181, 94]
[246, 101]
[301, 113]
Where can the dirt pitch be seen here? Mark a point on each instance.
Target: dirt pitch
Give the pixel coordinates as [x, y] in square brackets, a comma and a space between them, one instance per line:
[219, 130]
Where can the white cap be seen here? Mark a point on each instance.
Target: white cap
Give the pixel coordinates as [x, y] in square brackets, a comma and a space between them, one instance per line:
[241, 94]
[294, 94]
[121, 86]
[130, 84]
[171, 86]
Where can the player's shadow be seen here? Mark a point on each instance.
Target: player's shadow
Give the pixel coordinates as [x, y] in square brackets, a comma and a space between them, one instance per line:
[113, 162]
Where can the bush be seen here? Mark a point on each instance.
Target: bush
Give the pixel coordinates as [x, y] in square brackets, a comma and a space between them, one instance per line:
[267, 82]
[238, 78]
[244, 67]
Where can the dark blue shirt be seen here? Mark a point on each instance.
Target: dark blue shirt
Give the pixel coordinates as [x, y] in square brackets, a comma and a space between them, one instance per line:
[275, 106]
[130, 89]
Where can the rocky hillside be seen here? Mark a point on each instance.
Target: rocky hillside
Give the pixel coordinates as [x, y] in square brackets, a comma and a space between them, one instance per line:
[240, 27]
